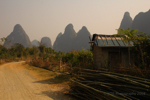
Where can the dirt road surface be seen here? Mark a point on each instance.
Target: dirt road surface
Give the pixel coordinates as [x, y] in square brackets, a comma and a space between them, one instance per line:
[17, 84]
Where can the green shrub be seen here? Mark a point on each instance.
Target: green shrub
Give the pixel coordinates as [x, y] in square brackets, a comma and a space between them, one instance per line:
[83, 58]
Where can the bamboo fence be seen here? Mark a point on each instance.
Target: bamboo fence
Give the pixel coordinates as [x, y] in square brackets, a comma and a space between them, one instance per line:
[89, 84]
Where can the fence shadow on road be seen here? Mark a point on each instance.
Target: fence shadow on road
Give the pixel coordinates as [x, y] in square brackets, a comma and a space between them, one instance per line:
[57, 87]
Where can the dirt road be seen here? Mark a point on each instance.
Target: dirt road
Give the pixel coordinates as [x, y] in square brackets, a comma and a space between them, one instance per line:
[17, 84]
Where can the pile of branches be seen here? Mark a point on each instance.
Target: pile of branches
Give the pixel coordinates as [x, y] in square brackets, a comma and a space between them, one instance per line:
[133, 72]
[89, 84]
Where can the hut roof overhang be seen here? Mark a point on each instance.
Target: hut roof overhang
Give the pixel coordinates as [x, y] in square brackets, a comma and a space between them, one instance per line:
[109, 41]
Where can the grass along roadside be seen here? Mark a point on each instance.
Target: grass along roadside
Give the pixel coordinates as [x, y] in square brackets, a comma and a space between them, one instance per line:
[56, 81]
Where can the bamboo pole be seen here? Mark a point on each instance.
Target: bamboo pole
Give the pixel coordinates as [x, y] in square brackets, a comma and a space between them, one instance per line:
[92, 85]
[101, 92]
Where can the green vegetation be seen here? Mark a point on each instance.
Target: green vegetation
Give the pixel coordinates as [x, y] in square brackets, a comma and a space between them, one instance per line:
[86, 82]
[141, 48]
[46, 58]
[83, 58]
[119, 84]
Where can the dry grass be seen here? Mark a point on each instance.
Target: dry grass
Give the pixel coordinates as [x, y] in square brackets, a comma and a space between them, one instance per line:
[57, 82]
[40, 73]
[2, 61]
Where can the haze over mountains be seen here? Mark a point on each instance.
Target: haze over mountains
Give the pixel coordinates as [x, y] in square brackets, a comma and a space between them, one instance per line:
[140, 22]
[70, 40]
[65, 42]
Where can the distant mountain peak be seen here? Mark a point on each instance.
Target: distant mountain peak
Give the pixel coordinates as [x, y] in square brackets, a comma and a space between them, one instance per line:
[142, 22]
[126, 13]
[35, 40]
[84, 28]
[83, 31]
[142, 13]
[148, 11]
[126, 21]
[17, 27]
[59, 34]
[18, 36]
[35, 43]
[69, 31]
[69, 27]
[46, 41]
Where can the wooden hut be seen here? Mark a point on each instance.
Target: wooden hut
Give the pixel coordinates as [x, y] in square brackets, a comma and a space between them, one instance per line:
[110, 51]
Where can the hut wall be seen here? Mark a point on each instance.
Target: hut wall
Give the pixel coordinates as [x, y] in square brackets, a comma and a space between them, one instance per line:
[97, 56]
[125, 58]
[101, 56]
[104, 59]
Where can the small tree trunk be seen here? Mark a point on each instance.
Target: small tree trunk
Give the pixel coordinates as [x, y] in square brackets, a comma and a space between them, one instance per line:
[129, 54]
[60, 65]
[142, 56]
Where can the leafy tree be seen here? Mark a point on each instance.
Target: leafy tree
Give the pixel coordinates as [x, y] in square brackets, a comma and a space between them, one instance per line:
[19, 47]
[49, 50]
[42, 48]
[2, 40]
[139, 39]
[83, 58]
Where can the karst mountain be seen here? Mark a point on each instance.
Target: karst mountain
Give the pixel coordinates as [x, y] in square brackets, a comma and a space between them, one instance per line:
[82, 39]
[64, 41]
[17, 36]
[35, 43]
[46, 41]
[55, 46]
[140, 22]
[71, 40]
[126, 21]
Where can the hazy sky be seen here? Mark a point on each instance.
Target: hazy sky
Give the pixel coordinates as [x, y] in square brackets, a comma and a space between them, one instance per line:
[41, 18]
